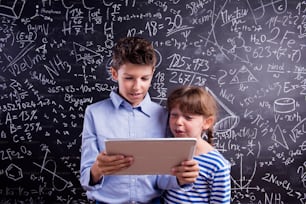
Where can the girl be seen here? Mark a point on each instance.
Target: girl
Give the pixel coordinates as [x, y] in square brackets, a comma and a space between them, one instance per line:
[193, 113]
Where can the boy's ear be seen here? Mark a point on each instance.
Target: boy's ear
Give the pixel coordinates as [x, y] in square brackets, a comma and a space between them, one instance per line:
[114, 73]
[208, 122]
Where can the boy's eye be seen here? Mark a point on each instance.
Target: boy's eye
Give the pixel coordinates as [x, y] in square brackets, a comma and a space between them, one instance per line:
[145, 78]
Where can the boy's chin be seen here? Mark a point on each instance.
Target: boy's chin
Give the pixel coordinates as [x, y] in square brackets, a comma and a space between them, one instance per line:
[135, 102]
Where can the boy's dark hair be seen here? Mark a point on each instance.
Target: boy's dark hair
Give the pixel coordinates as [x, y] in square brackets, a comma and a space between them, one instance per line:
[135, 50]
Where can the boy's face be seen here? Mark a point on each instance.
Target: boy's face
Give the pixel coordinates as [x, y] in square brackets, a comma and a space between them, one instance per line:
[133, 81]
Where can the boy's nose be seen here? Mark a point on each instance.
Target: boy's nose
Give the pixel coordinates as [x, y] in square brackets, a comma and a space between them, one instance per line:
[136, 85]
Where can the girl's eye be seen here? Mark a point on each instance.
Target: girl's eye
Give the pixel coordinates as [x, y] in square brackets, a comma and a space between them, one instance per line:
[145, 79]
[188, 117]
[173, 115]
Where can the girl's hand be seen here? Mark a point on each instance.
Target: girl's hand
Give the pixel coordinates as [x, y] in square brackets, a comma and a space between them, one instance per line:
[187, 172]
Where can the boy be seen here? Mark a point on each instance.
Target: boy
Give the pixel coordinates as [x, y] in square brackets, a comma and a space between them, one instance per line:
[129, 112]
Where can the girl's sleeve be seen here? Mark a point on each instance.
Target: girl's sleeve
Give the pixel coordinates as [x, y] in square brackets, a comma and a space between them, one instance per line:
[221, 186]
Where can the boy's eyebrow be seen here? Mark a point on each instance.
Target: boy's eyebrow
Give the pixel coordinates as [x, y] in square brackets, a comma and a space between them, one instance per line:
[127, 74]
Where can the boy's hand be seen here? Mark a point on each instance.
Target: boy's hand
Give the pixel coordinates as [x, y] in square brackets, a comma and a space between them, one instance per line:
[187, 172]
[109, 164]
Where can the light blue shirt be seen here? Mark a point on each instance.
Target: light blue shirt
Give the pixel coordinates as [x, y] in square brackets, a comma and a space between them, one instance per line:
[116, 118]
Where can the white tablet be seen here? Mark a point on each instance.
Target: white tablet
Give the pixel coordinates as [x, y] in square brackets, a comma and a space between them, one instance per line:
[152, 155]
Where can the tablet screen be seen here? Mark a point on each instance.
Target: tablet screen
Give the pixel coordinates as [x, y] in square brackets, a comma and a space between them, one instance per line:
[152, 155]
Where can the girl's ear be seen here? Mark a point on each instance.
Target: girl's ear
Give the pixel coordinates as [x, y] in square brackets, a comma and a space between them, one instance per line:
[208, 122]
[114, 73]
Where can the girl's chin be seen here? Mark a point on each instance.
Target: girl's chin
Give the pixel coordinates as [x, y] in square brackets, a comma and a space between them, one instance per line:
[180, 135]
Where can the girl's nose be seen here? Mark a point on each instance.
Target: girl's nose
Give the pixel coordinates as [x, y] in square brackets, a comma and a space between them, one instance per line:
[178, 120]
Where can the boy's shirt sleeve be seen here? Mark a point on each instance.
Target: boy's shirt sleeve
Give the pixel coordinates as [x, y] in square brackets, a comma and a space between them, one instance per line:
[89, 152]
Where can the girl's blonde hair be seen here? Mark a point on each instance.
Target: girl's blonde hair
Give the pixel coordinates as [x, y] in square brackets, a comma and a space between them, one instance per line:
[195, 100]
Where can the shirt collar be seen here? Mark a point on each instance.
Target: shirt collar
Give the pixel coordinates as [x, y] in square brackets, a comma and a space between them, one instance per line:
[144, 106]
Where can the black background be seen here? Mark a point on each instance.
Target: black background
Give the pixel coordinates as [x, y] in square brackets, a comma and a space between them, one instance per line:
[54, 59]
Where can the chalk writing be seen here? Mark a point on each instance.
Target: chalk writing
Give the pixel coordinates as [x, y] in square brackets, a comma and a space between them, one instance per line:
[55, 59]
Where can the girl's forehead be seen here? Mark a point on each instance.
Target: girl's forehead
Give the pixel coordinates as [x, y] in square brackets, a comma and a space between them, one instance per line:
[178, 108]
[185, 108]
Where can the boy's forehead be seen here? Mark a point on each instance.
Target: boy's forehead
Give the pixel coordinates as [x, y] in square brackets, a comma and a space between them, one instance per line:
[143, 74]
[133, 68]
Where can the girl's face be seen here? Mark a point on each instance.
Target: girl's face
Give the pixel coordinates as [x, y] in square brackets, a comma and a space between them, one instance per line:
[133, 81]
[187, 125]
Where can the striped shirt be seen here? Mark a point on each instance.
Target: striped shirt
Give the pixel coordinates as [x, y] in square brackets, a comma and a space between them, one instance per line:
[212, 186]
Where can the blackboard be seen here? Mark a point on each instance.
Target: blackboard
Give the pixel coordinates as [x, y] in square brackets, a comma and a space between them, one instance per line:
[54, 61]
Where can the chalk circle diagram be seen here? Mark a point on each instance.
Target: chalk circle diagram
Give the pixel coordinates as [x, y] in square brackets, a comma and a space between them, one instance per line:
[229, 122]
[284, 105]
[158, 58]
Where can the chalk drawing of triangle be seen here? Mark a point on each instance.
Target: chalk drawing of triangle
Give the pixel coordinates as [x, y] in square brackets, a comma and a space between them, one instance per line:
[230, 119]
[298, 130]
[279, 138]
[243, 76]
[13, 10]
[81, 52]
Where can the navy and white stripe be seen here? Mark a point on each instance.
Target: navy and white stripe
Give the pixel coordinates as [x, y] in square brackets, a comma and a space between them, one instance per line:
[213, 185]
